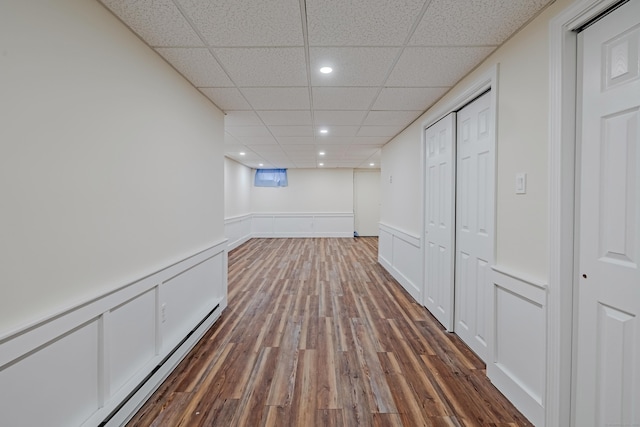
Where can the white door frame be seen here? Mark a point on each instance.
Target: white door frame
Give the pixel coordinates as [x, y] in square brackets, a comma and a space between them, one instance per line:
[563, 70]
[488, 80]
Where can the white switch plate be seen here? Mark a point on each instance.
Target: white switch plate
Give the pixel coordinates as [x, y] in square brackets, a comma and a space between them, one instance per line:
[521, 183]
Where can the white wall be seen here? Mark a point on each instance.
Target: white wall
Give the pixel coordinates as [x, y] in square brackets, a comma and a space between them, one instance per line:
[310, 191]
[520, 274]
[112, 244]
[110, 163]
[522, 136]
[237, 203]
[238, 181]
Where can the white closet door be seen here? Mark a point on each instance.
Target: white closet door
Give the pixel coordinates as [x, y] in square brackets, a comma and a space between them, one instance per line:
[440, 220]
[474, 223]
[607, 389]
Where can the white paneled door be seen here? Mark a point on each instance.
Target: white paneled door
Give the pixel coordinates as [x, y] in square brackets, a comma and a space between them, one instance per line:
[440, 150]
[366, 201]
[474, 223]
[607, 387]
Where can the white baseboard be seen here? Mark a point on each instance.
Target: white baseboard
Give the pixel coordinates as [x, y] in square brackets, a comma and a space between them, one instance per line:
[241, 228]
[102, 359]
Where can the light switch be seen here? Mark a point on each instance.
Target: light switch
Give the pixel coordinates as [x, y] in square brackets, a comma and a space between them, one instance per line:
[521, 183]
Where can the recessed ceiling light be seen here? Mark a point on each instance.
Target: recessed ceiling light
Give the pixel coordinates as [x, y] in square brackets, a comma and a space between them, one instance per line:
[260, 164]
[320, 164]
[324, 131]
[321, 153]
[372, 164]
[326, 70]
[242, 153]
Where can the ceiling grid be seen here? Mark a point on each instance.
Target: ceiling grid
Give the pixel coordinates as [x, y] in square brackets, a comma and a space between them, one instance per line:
[259, 62]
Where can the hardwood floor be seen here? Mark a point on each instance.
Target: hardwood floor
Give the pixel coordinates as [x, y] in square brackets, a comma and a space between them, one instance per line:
[318, 333]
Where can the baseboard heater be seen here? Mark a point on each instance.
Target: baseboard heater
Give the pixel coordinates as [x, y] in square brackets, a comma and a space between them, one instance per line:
[157, 367]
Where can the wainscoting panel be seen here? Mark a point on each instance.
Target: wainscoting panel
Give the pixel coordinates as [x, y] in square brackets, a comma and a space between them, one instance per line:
[237, 230]
[131, 338]
[100, 360]
[517, 366]
[400, 254]
[54, 385]
[179, 310]
[302, 225]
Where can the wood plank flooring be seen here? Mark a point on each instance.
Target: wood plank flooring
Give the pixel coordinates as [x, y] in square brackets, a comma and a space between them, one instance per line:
[317, 333]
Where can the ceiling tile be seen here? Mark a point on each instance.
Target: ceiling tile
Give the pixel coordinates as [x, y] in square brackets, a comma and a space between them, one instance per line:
[352, 66]
[267, 149]
[371, 140]
[226, 98]
[301, 117]
[300, 149]
[379, 130]
[270, 66]
[157, 22]
[360, 151]
[343, 98]
[257, 140]
[449, 23]
[230, 139]
[291, 130]
[403, 98]
[435, 66]
[281, 98]
[338, 131]
[360, 22]
[305, 164]
[246, 22]
[338, 118]
[240, 131]
[398, 118]
[334, 140]
[241, 118]
[285, 140]
[197, 65]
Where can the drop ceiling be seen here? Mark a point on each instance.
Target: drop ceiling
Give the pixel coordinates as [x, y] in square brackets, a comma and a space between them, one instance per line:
[259, 61]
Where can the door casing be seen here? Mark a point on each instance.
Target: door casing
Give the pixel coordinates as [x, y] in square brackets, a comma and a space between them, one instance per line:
[563, 69]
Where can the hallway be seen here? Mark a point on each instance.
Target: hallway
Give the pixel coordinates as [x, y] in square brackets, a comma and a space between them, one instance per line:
[317, 333]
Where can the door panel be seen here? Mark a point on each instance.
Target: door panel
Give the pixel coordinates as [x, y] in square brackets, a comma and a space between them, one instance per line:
[439, 227]
[607, 387]
[366, 201]
[474, 218]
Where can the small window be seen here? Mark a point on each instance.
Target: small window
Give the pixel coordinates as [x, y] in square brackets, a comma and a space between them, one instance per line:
[271, 178]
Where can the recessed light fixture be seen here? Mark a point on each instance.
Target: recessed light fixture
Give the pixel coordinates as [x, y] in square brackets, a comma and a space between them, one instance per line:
[324, 131]
[326, 70]
[242, 153]
[260, 164]
[372, 164]
[321, 153]
[320, 164]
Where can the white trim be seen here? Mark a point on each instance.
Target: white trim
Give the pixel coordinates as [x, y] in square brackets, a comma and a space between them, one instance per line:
[509, 379]
[406, 236]
[79, 305]
[562, 123]
[21, 346]
[400, 253]
[505, 271]
[485, 81]
[237, 218]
